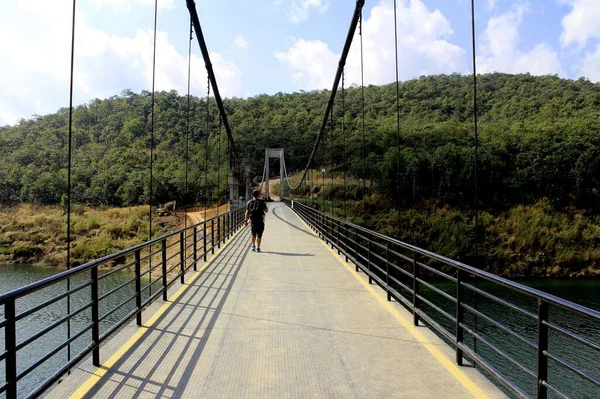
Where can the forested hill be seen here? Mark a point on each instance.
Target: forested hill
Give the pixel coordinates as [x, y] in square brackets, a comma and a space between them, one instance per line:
[539, 138]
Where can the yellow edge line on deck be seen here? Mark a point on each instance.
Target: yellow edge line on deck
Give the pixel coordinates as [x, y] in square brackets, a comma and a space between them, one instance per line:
[452, 368]
[103, 369]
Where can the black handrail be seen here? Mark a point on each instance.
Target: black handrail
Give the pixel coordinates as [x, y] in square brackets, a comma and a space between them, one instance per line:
[228, 223]
[369, 259]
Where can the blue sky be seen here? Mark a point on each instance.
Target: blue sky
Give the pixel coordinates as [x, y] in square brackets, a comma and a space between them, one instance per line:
[270, 46]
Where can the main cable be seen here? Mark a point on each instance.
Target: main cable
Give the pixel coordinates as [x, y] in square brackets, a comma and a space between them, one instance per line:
[397, 113]
[206, 149]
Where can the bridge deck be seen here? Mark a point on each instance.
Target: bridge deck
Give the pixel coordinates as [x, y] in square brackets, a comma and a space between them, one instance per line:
[292, 321]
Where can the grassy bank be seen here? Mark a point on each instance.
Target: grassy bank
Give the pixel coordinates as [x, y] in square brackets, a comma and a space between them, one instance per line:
[534, 240]
[37, 234]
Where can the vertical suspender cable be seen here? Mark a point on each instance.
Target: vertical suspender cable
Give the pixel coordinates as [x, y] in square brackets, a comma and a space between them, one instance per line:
[151, 194]
[69, 156]
[362, 96]
[187, 123]
[476, 137]
[344, 137]
[219, 198]
[397, 113]
[331, 160]
[206, 150]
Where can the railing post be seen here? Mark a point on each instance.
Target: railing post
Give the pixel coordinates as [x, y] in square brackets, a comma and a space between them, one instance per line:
[460, 315]
[212, 236]
[415, 290]
[542, 346]
[10, 343]
[219, 232]
[95, 317]
[164, 269]
[138, 287]
[195, 258]
[182, 256]
[356, 261]
[369, 260]
[204, 240]
[338, 238]
[387, 270]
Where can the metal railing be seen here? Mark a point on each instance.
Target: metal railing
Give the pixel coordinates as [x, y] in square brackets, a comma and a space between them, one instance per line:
[401, 269]
[172, 254]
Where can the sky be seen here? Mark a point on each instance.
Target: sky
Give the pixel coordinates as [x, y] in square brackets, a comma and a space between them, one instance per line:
[271, 46]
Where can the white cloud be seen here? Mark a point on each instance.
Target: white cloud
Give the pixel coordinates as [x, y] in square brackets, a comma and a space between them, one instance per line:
[499, 50]
[423, 49]
[581, 24]
[36, 66]
[590, 66]
[300, 9]
[240, 42]
[491, 4]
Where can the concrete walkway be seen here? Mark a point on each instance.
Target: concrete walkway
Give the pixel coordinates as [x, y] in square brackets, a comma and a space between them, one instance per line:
[291, 322]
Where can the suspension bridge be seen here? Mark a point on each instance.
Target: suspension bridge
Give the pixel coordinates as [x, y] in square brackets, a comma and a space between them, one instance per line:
[328, 309]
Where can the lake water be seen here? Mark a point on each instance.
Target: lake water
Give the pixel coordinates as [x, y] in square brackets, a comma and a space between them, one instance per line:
[584, 292]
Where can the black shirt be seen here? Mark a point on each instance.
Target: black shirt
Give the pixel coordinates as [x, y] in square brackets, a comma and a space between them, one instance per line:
[256, 210]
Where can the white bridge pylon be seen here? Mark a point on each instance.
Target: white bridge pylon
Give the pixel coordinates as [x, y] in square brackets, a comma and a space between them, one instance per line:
[275, 153]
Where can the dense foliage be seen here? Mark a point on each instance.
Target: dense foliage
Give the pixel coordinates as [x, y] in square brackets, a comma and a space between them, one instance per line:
[539, 142]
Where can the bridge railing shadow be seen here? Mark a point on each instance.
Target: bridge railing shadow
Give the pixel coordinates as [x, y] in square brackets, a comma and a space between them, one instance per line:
[53, 324]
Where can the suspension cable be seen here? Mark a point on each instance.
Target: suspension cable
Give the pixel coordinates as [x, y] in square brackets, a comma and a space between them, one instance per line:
[151, 194]
[219, 167]
[345, 166]
[397, 113]
[69, 166]
[187, 124]
[332, 199]
[206, 149]
[476, 137]
[362, 97]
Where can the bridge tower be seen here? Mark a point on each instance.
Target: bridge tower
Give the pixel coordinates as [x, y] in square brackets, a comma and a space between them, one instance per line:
[274, 153]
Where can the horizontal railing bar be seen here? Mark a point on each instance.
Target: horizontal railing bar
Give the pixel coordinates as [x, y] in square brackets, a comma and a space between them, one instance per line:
[169, 270]
[499, 300]
[51, 301]
[381, 258]
[172, 256]
[401, 256]
[435, 289]
[480, 338]
[189, 256]
[158, 251]
[401, 270]
[401, 284]
[551, 299]
[117, 288]
[175, 277]
[574, 369]
[19, 292]
[378, 244]
[60, 372]
[125, 302]
[499, 325]
[399, 297]
[150, 269]
[171, 245]
[569, 334]
[490, 369]
[153, 296]
[555, 390]
[3, 387]
[435, 271]
[3, 355]
[158, 280]
[53, 352]
[437, 308]
[120, 268]
[188, 247]
[436, 326]
[52, 326]
[119, 324]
